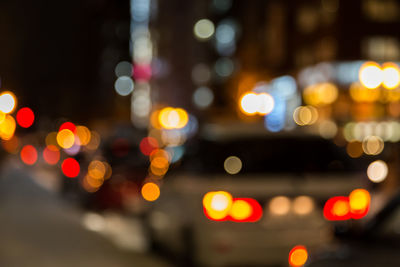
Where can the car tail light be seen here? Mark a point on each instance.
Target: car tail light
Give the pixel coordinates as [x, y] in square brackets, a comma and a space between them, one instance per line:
[355, 206]
[337, 209]
[216, 205]
[220, 206]
[245, 210]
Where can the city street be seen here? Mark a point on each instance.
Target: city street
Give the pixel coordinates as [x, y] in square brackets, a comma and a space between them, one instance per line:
[39, 229]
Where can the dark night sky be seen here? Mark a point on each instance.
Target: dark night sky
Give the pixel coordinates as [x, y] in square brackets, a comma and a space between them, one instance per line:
[51, 54]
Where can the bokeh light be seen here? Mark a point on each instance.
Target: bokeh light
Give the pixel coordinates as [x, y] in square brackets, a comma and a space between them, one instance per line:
[372, 145]
[279, 205]
[298, 256]
[203, 29]
[148, 145]
[240, 210]
[203, 97]
[232, 165]
[173, 118]
[124, 85]
[83, 134]
[217, 204]
[8, 102]
[25, 117]
[305, 115]
[150, 191]
[11, 145]
[391, 76]
[377, 171]
[29, 155]
[51, 139]
[359, 200]
[67, 125]
[65, 138]
[97, 169]
[303, 205]
[70, 167]
[354, 149]
[51, 154]
[370, 75]
[94, 142]
[7, 127]
[320, 94]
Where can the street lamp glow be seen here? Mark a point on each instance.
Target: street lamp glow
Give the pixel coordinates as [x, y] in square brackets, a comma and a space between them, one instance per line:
[370, 75]
[8, 102]
[391, 76]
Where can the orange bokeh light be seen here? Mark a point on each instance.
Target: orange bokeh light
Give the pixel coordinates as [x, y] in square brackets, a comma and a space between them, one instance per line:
[150, 192]
[298, 256]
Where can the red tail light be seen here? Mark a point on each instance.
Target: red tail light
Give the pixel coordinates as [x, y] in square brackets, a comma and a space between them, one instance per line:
[219, 206]
[337, 209]
[341, 208]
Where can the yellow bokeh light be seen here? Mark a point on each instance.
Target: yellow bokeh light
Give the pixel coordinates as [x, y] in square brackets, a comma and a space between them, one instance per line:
[361, 94]
[370, 75]
[391, 76]
[83, 134]
[232, 165]
[173, 118]
[97, 169]
[150, 192]
[359, 200]
[183, 118]
[320, 94]
[218, 204]
[65, 138]
[377, 171]
[8, 102]
[279, 205]
[240, 210]
[7, 127]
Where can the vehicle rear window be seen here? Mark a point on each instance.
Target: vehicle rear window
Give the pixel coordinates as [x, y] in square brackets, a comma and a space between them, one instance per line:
[260, 155]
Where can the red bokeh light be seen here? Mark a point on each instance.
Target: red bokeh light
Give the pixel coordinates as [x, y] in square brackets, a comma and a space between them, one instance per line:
[68, 125]
[337, 209]
[25, 117]
[51, 154]
[29, 155]
[70, 167]
[142, 72]
[148, 145]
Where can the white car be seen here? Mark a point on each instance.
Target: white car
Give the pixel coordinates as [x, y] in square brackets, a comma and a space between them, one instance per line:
[289, 176]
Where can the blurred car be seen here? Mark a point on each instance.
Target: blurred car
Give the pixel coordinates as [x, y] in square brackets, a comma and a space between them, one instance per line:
[290, 176]
[376, 242]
